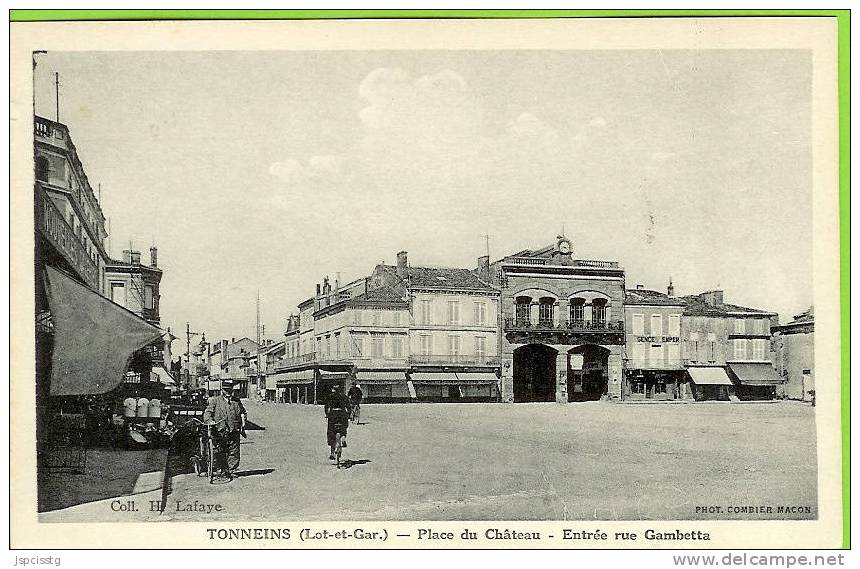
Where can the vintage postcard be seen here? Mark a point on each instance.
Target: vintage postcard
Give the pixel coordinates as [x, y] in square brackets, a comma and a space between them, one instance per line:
[491, 283]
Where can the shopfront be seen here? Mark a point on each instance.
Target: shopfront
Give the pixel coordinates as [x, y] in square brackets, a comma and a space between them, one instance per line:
[710, 383]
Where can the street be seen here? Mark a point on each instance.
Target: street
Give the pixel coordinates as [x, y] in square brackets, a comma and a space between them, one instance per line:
[506, 462]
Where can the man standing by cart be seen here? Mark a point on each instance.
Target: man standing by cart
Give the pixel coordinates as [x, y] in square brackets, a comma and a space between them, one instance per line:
[228, 416]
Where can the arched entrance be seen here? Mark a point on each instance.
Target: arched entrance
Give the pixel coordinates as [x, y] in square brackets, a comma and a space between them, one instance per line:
[534, 373]
[587, 372]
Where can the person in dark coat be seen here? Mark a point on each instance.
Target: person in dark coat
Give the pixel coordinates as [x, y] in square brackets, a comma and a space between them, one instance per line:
[337, 408]
[228, 416]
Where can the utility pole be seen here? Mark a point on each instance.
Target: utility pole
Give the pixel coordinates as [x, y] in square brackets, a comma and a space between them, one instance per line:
[188, 335]
[57, 89]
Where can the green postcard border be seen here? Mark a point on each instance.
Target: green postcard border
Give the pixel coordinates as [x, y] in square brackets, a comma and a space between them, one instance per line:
[843, 18]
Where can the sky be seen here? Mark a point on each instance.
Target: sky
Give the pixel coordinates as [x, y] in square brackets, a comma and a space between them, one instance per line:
[267, 171]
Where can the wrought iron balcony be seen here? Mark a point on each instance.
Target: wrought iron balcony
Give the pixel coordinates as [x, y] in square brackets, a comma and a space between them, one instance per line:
[297, 360]
[564, 325]
[454, 359]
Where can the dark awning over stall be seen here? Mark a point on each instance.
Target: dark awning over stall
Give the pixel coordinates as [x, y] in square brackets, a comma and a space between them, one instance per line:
[380, 377]
[758, 373]
[291, 378]
[94, 338]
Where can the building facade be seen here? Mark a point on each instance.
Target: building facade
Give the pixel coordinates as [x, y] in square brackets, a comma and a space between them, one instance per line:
[562, 325]
[653, 366]
[794, 346]
[726, 348]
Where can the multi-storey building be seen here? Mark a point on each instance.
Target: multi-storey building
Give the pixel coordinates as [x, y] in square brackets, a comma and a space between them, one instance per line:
[794, 345]
[562, 325]
[653, 366]
[726, 348]
[452, 320]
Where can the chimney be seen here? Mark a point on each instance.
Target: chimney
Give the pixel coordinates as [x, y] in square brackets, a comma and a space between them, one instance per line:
[153, 256]
[126, 255]
[640, 287]
[326, 285]
[401, 264]
[318, 289]
[670, 290]
[713, 297]
[484, 268]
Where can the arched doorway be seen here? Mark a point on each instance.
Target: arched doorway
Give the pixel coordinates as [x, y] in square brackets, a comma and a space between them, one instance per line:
[534, 373]
[587, 372]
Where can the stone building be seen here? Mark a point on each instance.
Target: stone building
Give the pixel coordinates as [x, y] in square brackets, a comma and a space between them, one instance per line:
[794, 345]
[562, 324]
[727, 348]
[653, 367]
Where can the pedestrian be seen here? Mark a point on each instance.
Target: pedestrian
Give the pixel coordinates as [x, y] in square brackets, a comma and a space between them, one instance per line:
[337, 408]
[228, 416]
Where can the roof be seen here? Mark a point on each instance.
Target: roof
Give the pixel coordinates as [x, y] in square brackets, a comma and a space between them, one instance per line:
[447, 278]
[696, 306]
[382, 294]
[805, 317]
[651, 298]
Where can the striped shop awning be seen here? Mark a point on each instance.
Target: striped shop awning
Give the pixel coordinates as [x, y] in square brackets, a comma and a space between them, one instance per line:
[712, 375]
[756, 373]
[380, 377]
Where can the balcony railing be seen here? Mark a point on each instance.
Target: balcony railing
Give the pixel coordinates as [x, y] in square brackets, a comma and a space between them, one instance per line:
[454, 359]
[539, 261]
[596, 264]
[57, 230]
[297, 360]
[564, 325]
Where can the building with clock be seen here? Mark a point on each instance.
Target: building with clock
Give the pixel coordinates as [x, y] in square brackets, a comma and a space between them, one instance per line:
[561, 326]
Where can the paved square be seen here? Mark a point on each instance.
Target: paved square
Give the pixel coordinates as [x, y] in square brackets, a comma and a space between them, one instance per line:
[510, 462]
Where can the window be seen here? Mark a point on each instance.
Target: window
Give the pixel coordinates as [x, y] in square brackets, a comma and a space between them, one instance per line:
[480, 313]
[147, 297]
[674, 354]
[426, 344]
[638, 324]
[523, 310]
[674, 324]
[328, 346]
[396, 319]
[377, 317]
[396, 347]
[337, 345]
[712, 345]
[656, 325]
[656, 354]
[358, 345]
[598, 314]
[319, 346]
[357, 317]
[480, 346]
[118, 294]
[577, 310]
[759, 349]
[739, 326]
[453, 312]
[546, 310]
[758, 326]
[377, 346]
[454, 345]
[740, 349]
[426, 312]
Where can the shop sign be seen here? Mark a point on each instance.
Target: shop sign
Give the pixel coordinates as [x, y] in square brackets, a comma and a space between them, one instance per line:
[658, 339]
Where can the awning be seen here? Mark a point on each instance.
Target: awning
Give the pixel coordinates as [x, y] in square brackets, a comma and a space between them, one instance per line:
[709, 376]
[325, 374]
[759, 373]
[94, 338]
[380, 377]
[303, 377]
[477, 377]
[438, 378]
[163, 376]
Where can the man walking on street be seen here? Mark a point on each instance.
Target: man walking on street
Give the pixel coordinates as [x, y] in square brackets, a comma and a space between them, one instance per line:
[228, 416]
[337, 407]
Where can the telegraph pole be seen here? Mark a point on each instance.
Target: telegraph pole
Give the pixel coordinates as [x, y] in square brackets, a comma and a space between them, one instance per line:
[188, 335]
[57, 89]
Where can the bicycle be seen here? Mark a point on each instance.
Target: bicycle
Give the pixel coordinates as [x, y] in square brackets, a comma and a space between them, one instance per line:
[203, 460]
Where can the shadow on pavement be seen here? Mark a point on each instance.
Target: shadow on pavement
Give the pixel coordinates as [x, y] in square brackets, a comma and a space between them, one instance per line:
[255, 472]
[351, 463]
[252, 426]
